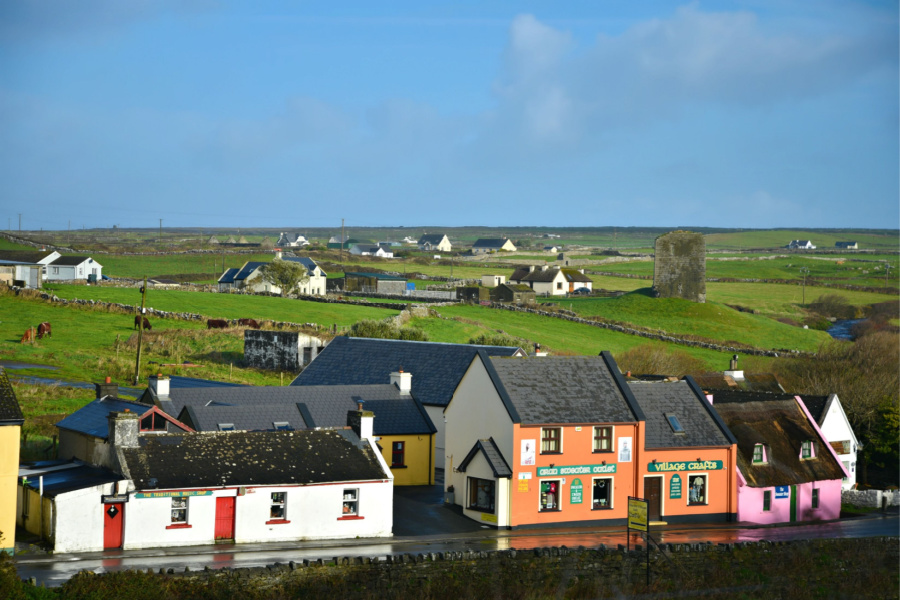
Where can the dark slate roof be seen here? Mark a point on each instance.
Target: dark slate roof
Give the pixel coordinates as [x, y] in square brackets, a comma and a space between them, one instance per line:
[782, 426]
[248, 268]
[431, 238]
[368, 247]
[436, 368]
[307, 262]
[24, 256]
[10, 411]
[564, 389]
[303, 407]
[490, 243]
[488, 448]
[228, 276]
[516, 287]
[70, 261]
[179, 382]
[816, 406]
[759, 382]
[374, 276]
[91, 418]
[660, 399]
[576, 275]
[61, 480]
[196, 460]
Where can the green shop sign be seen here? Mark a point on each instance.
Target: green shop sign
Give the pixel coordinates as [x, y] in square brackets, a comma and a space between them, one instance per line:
[675, 486]
[697, 465]
[172, 494]
[576, 490]
[575, 470]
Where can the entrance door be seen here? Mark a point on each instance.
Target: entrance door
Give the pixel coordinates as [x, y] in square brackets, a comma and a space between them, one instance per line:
[225, 518]
[793, 503]
[113, 525]
[653, 493]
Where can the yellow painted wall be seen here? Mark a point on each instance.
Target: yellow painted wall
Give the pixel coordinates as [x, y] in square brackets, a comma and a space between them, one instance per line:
[419, 458]
[9, 471]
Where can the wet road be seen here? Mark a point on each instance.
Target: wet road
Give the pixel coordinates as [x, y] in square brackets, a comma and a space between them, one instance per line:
[56, 569]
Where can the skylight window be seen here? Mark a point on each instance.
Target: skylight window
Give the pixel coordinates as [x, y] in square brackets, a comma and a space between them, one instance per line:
[282, 425]
[226, 426]
[675, 424]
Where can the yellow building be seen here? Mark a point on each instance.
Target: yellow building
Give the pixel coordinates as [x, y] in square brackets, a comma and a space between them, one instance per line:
[11, 420]
[411, 457]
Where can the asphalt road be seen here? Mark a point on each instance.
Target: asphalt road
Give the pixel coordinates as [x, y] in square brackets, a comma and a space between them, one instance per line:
[421, 525]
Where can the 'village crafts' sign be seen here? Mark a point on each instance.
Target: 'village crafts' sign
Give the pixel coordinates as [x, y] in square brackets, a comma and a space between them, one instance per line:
[699, 465]
[575, 470]
[173, 494]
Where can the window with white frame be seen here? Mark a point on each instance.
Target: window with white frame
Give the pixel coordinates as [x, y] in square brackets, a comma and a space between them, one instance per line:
[807, 449]
[551, 440]
[350, 505]
[482, 494]
[179, 511]
[601, 494]
[277, 509]
[603, 438]
[759, 454]
[550, 491]
[697, 493]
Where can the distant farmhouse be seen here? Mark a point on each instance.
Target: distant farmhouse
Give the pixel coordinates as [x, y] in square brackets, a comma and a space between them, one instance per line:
[847, 245]
[372, 250]
[488, 245]
[292, 240]
[801, 245]
[551, 281]
[435, 242]
[249, 277]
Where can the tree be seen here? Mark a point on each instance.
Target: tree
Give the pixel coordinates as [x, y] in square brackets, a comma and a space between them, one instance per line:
[285, 274]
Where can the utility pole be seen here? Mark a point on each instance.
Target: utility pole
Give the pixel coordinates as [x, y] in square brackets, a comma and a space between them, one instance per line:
[20, 222]
[160, 231]
[137, 364]
[805, 271]
[342, 240]
[887, 267]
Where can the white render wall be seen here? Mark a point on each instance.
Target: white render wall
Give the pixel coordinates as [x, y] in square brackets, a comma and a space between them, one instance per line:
[836, 428]
[77, 519]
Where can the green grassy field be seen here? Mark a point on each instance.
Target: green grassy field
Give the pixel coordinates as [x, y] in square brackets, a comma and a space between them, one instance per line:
[138, 267]
[710, 320]
[781, 237]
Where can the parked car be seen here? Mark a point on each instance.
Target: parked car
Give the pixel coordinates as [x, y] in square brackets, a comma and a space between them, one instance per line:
[582, 291]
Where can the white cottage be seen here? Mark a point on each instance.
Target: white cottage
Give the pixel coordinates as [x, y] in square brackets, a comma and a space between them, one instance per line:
[829, 415]
[74, 268]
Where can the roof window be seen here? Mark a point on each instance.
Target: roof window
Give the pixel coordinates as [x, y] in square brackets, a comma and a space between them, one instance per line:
[675, 424]
[282, 425]
[226, 426]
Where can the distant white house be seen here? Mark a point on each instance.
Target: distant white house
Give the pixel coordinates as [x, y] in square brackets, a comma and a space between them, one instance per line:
[74, 268]
[847, 245]
[291, 240]
[434, 242]
[249, 277]
[371, 250]
[488, 245]
[801, 245]
[492, 280]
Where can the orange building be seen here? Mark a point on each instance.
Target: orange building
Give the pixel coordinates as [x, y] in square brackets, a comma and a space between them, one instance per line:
[564, 441]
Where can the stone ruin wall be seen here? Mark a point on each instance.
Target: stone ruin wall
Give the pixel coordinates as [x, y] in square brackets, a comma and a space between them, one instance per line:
[679, 266]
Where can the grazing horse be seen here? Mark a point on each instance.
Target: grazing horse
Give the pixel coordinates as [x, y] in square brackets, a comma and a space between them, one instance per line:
[216, 324]
[251, 323]
[29, 336]
[44, 329]
[146, 322]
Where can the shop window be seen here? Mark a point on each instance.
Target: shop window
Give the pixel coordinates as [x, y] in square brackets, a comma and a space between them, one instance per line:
[351, 502]
[603, 437]
[697, 489]
[807, 449]
[279, 501]
[759, 454]
[550, 491]
[815, 498]
[767, 500]
[398, 454]
[481, 494]
[602, 493]
[551, 440]
[179, 511]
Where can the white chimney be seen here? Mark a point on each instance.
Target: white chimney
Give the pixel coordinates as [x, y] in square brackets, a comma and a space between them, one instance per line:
[277, 253]
[361, 421]
[402, 380]
[531, 268]
[159, 385]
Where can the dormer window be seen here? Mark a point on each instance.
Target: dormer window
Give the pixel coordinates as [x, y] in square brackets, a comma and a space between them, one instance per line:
[153, 423]
[675, 424]
[759, 454]
[807, 449]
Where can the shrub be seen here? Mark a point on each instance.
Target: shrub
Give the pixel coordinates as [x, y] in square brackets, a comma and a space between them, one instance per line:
[834, 305]
[370, 328]
[495, 339]
[657, 359]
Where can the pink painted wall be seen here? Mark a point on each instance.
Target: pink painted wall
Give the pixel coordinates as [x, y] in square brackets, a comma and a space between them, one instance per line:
[750, 503]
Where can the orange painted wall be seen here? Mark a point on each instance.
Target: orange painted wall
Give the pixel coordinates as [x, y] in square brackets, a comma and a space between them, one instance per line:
[722, 484]
[577, 449]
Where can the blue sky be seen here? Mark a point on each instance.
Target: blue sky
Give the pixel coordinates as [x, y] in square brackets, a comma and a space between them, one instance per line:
[297, 114]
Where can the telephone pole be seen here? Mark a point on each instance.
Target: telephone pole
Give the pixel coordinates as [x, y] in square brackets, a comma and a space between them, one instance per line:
[805, 271]
[160, 232]
[342, 240]
[137, 364]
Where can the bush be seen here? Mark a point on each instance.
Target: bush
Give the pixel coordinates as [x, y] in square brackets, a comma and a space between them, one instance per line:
[495, 339]
[657, 359]
[370, 328]
[834, 305]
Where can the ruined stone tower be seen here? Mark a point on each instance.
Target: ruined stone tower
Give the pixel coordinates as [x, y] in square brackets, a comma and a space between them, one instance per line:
[679, 269]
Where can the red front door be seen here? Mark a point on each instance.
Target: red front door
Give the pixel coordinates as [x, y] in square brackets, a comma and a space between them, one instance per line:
[113, 525]
[225, 518]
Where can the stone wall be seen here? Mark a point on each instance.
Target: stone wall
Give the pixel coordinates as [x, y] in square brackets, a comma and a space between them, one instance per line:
[679, 266]
[871, 498]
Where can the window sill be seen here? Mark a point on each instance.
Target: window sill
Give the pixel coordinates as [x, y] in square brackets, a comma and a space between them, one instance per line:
[399, 467]
[602, 508]
[698, 504]
[546, 510]
[550, 452]
[179, 526]
[603, 451]
[351, 518]
[277, 522]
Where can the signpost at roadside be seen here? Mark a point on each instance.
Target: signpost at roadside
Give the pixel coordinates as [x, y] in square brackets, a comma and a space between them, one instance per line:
[638, 520]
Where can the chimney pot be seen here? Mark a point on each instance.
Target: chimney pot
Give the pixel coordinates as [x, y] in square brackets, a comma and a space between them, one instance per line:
[108, 379]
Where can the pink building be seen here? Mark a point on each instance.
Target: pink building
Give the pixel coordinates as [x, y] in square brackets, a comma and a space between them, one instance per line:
[787, 470]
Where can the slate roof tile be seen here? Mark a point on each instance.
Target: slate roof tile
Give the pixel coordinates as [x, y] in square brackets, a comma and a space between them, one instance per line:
[10, 411]
[91, 418]
[660, 399]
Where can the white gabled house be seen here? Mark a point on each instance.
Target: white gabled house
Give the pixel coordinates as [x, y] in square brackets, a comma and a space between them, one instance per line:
[437, 242]
[249, 277]
[74, 268]
[829, 415]
[371, 250]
